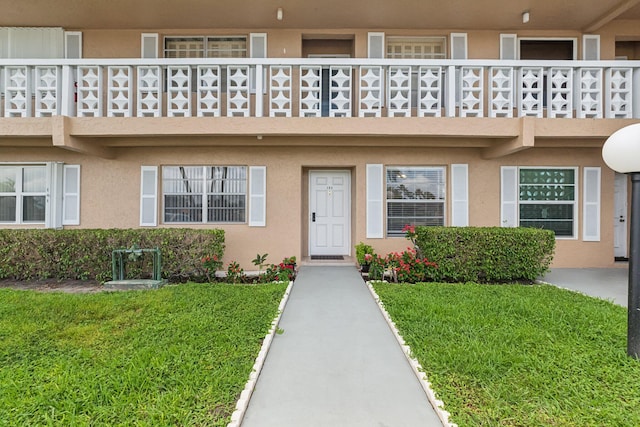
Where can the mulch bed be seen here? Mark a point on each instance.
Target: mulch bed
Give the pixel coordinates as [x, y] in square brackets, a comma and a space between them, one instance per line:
[54, 285]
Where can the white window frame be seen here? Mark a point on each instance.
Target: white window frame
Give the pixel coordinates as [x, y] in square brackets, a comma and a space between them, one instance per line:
[443, 192]
[415, 39]
[415, 84]
[204, 194]
[573, 39]
[204, 39]
[19, 194]
[575, 202]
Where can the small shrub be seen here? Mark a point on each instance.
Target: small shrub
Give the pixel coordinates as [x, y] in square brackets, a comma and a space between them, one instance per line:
[407, 267]
[486, 254]
[362, 250]
[259, 261]
[211, 264]
[235, 273]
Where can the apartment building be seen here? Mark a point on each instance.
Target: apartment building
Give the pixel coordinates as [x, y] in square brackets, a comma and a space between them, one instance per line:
[304, 128]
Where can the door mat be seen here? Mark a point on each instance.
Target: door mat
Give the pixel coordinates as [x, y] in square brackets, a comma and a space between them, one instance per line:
[327, 257]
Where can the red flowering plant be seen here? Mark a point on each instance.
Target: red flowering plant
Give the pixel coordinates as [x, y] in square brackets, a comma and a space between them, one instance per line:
[235, 273]
[283, 272]
[408, 267]
[411, 235]
[377, 267]
[211, 264]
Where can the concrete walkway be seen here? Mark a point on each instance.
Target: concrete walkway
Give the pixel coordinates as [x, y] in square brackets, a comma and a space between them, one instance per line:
[607, 283]
[337, 362]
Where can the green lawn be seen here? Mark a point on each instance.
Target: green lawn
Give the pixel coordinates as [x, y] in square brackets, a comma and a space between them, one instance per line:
[514, 355]
[177, 356]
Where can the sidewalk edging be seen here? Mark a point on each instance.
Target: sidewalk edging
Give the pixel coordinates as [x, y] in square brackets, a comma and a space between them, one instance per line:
[437, 404]
[245, 396]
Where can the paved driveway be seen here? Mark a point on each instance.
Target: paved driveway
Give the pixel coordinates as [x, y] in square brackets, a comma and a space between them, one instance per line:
[606, 283]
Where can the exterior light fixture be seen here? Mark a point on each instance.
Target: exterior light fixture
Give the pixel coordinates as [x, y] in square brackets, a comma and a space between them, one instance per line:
[525, 17]
[621, 152]
[279, 14]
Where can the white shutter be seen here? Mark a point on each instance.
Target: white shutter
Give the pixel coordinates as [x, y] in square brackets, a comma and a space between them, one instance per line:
[258, 45]
[257, 196]
[591, 47]
[4, 42]
[459, 195]
[591, 206]
[149, 45]
[257, 49]
[509, 46]
[31, 42]
[148, 196]
[71, 195]
[509, 196]
[73, 44]
[53, 205]
[375, 191]
[458, 45]
[375, 46]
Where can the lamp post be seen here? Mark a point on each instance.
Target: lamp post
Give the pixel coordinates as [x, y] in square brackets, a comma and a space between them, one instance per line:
[621, 152]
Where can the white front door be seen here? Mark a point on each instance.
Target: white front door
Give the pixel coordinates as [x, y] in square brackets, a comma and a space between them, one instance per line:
[620, 216]
[330, 212]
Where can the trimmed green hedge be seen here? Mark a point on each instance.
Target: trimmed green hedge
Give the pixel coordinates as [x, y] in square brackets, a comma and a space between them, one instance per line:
[86, 253]
[487, 254]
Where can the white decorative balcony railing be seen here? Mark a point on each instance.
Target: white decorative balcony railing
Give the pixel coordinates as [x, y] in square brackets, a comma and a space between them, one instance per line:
[319, 87]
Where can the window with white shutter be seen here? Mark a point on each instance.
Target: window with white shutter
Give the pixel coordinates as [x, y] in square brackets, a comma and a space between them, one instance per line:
[149, 196]
[459, 195]
[257, 196]
[591, 205]
[71, 195]
[375, 199]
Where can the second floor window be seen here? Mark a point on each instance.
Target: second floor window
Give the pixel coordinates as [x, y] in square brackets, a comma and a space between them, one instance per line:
[416, 47]
[205, 47]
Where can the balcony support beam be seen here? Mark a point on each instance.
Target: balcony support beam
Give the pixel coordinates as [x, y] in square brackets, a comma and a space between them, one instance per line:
[525, 140]
[61, 137]
[610, 15]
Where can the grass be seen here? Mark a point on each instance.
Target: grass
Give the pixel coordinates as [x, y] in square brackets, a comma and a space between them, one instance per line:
[517, 355]
[177, 356]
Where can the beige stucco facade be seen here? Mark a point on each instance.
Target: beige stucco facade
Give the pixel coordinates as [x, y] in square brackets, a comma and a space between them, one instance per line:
[111, 151]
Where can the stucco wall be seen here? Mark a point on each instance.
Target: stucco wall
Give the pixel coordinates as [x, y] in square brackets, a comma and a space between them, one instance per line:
[110, 190]
[287, 43]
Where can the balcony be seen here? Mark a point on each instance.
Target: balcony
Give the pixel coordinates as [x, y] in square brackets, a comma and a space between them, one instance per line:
[319, 87]
[501, 107]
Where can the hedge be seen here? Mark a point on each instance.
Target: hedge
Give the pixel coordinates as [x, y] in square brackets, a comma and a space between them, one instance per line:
[487, 254]
[85, 254]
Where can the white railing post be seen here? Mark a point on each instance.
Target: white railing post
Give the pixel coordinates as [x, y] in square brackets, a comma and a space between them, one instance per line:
[451, 91]
[68, 92]
[259, 90]
[636, 99]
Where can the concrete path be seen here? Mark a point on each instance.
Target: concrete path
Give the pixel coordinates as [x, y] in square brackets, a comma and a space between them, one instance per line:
[606, 283]
[337, 362]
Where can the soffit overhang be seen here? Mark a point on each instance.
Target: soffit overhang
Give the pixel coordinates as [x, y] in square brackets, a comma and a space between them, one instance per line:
[577, 15]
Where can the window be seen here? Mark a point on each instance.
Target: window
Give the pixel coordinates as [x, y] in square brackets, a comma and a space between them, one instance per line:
[416, 196]
[547, 199]
[23, 194]
[205, 47]
[204, 194]
[416, 47]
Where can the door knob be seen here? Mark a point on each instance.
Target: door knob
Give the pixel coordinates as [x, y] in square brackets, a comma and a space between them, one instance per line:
[313, 217]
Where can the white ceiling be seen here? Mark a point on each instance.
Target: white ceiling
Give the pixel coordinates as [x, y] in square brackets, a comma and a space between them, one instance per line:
[583, 15]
